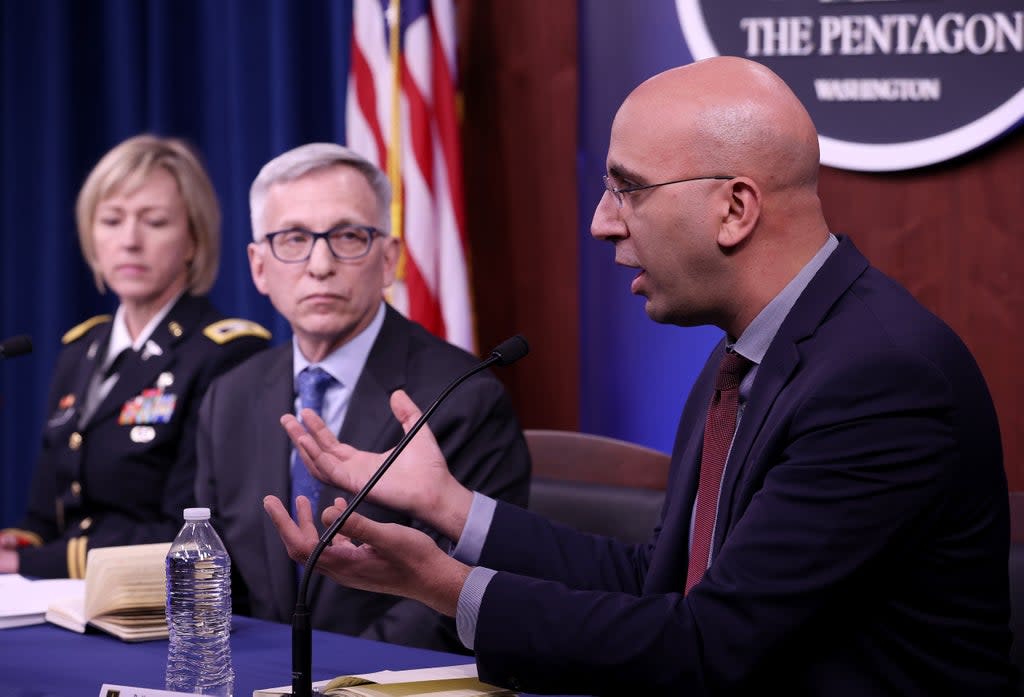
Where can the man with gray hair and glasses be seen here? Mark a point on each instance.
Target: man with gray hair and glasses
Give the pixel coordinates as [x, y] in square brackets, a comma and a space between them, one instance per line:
[349, 351]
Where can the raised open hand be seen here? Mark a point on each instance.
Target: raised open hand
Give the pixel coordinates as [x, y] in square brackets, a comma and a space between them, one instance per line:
[418, 482]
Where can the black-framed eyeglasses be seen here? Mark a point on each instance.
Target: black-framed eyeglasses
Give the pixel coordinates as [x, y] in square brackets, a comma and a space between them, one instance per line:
[347, 242]
[617, 192]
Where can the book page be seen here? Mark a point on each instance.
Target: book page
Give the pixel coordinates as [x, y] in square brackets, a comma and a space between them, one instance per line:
[68, 613]
[121, 578]
[384, 677]
[135, 629]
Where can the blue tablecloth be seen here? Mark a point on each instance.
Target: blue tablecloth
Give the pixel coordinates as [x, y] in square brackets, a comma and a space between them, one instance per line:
[47, 661]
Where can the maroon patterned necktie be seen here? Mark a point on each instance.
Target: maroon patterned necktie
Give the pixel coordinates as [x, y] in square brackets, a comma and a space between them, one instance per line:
[718, 434]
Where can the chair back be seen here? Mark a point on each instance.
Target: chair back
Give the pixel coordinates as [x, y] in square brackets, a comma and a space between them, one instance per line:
[1016, 570]
[597, 484]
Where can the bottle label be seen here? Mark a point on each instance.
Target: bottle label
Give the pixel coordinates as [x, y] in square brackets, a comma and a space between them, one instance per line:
[109, 690]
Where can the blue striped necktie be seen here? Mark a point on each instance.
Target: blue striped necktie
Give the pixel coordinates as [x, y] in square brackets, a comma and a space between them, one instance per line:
[312, 383]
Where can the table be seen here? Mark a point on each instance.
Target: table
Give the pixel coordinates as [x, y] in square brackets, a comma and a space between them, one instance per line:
[48, 661]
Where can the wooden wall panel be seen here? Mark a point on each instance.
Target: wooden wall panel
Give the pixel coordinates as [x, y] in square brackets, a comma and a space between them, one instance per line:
[518, 73]
[952, 234]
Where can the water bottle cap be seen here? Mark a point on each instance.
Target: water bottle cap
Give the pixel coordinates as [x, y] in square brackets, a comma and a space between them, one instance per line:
[197, 514]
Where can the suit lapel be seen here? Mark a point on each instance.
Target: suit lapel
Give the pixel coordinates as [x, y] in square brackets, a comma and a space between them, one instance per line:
[772, 376]
[271, 448]
[369, 415]
[92, 358]
[781, 361]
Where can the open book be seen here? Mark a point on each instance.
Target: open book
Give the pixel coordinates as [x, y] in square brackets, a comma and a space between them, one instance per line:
[125, 590]
[446, 681]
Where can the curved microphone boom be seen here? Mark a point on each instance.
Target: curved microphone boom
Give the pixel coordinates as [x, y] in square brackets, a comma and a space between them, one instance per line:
[508, 351]
[15, 346]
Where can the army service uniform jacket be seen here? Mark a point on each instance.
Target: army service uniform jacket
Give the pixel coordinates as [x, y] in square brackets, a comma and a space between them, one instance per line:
[124, 474]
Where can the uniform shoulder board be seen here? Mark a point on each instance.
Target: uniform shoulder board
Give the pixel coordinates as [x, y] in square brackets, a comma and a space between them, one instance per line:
[23, 538]
[78, 331]
[230, 329]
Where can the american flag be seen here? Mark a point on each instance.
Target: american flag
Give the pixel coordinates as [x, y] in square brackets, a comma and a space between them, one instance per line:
[403, 63]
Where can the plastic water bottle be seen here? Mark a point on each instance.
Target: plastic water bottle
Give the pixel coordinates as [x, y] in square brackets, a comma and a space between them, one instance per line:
[199, 610]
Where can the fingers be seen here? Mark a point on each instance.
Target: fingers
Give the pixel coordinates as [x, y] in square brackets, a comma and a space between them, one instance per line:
[304, 512]
[323, 437]
[318, 447]
[330, 516]
[404, 409]
[275, 509]
[299, 539]
[353, 525]
[331, 513]
[293, 426]
[300, 435]
[359, 527]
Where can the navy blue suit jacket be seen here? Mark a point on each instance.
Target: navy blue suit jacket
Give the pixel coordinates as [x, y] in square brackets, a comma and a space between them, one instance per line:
[861, 544]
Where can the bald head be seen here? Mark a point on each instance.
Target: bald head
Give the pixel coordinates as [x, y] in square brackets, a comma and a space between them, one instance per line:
[729, 115]
[715, 250]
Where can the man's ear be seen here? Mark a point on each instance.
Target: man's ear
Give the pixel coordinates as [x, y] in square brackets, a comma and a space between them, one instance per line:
[742, 211]
[257, 267]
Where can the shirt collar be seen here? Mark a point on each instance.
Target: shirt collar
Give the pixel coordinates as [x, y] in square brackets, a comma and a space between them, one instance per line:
[346, 362]
[120, 339]
[757, 337]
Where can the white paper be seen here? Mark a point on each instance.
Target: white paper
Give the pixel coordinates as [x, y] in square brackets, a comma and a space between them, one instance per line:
[24, 602]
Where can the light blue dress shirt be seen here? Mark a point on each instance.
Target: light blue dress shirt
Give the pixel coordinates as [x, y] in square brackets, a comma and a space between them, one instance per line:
[345, 364]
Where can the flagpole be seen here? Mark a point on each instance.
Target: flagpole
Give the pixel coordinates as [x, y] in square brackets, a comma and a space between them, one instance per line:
[394, 15]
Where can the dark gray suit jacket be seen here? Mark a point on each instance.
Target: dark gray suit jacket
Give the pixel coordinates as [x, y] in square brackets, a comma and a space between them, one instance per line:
[244, 455]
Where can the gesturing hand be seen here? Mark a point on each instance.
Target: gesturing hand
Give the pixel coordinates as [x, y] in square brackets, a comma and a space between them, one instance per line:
[391, 558]
[418, 482]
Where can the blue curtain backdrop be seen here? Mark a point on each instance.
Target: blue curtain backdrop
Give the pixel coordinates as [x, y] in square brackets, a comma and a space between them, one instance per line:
[243, 80]
[635, 374]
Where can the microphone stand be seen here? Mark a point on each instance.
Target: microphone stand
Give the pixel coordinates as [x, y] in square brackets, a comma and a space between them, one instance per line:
[507, 352]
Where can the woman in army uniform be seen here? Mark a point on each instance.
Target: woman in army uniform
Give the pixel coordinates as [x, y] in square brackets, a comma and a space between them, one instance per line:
[118, 455]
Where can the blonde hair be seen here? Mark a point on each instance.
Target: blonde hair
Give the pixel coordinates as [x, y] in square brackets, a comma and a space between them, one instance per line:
[127, 165]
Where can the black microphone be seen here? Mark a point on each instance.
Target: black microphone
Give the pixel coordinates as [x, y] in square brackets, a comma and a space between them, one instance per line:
[17, 345]
[508, 351]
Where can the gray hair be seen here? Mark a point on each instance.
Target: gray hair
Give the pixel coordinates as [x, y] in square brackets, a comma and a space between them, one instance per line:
[304, 159]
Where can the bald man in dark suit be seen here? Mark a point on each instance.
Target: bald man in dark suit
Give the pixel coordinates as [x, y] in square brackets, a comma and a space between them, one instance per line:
[836, 522]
